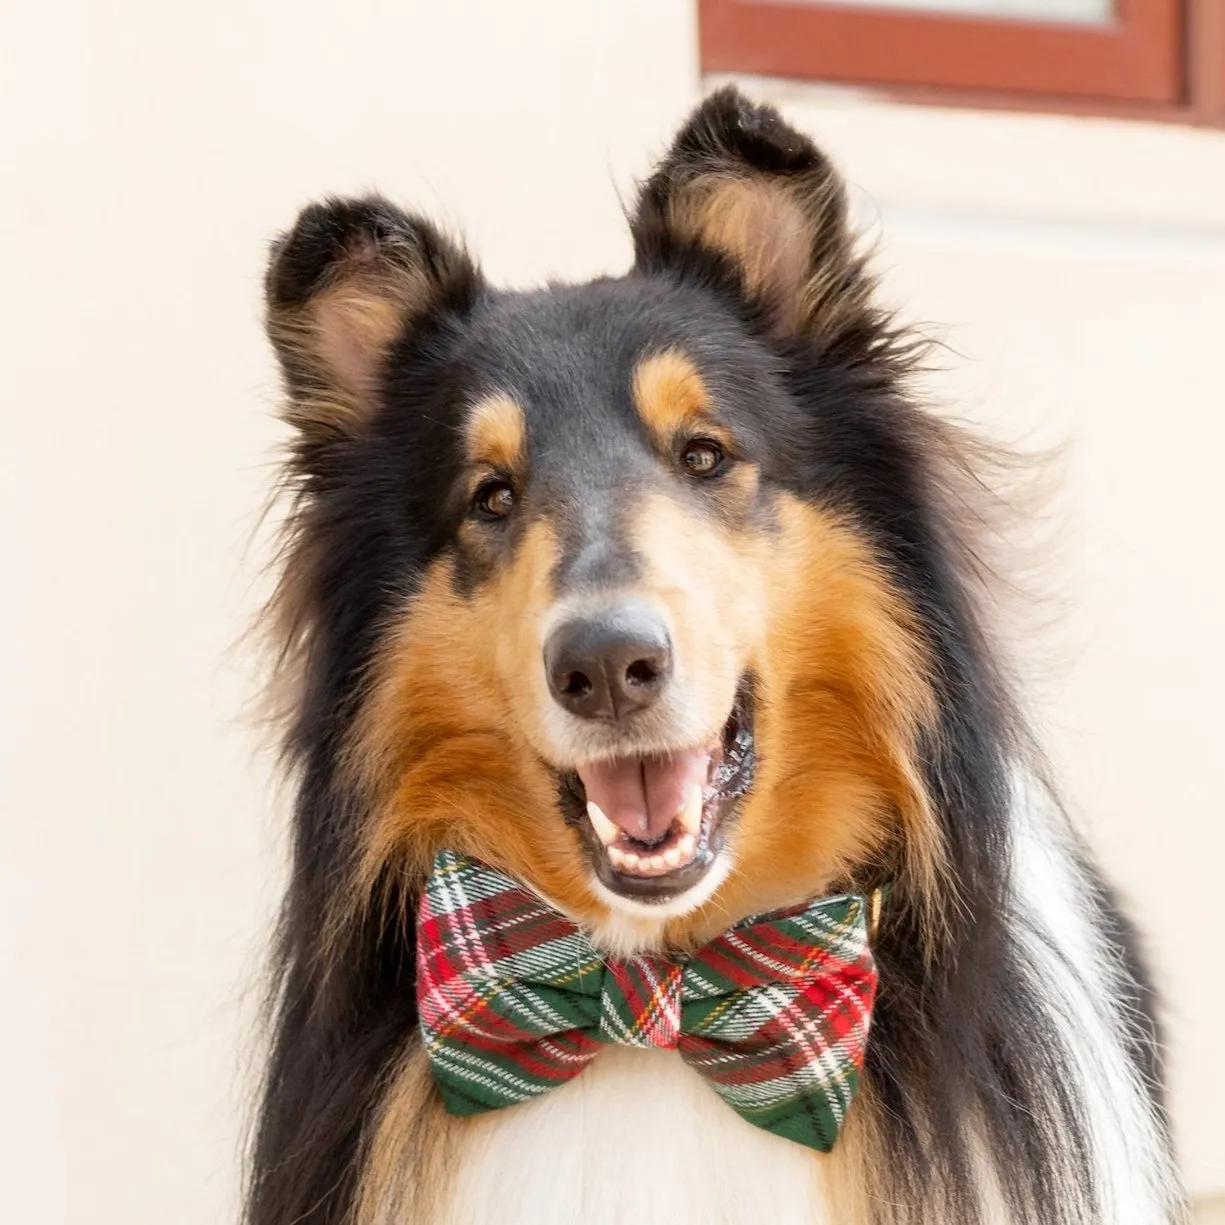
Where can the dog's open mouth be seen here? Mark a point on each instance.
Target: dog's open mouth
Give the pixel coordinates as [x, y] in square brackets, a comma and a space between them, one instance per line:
[655, 823]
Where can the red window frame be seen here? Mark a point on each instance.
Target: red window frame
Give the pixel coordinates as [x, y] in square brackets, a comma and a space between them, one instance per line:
[1206, 56]
[1162, 57]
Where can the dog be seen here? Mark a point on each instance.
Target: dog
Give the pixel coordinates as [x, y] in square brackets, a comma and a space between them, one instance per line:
[654, 610]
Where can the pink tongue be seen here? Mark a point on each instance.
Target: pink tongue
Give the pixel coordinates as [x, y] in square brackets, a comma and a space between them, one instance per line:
[643, 795]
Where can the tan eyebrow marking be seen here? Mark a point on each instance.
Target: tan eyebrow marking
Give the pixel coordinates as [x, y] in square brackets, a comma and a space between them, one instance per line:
[669, 393]
[496, 432]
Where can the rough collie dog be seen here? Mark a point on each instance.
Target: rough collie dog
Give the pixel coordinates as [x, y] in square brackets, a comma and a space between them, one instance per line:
[636, 640]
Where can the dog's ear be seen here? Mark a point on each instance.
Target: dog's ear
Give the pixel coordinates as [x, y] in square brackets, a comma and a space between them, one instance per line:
[349, 280]
[739, 183]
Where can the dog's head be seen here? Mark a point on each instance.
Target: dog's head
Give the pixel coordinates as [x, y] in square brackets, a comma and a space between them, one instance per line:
[614, 585]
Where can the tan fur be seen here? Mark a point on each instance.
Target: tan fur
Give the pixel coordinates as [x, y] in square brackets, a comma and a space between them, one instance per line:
[462, 772]
[842, 696]
[412, 1151]
[495, 434]
[848, 1168]
[670, 395]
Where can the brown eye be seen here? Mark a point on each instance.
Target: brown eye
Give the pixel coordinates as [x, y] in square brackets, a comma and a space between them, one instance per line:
[702, 457]
[494, 500]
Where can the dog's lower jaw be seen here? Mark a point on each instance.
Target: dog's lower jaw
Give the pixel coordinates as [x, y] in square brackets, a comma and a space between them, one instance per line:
[631, 925]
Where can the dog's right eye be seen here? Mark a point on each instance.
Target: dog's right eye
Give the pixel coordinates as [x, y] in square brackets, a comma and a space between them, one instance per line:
[494, 500]
[702, 457]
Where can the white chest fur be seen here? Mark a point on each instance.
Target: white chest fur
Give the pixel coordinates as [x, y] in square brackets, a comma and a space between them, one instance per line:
[636, 1138]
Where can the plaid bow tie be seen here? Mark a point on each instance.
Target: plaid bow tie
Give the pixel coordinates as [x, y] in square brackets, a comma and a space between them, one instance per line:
[515, 1000]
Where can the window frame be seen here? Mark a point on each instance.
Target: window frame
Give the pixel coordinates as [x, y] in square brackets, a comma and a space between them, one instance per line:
[1206, 59]
[1160, 58]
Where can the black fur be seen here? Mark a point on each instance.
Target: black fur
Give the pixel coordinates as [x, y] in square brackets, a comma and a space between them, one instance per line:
[958, 1037]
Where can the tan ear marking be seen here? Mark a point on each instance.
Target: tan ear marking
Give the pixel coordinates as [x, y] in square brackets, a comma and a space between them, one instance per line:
[354, 328]
[342, 285]
[763, 229]
[346, 329]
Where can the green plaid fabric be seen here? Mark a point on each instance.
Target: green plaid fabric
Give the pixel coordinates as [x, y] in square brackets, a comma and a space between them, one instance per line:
[515, 1000]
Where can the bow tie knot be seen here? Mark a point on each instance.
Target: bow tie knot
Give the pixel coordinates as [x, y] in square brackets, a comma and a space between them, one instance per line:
[640, 1003]
[515, 1000]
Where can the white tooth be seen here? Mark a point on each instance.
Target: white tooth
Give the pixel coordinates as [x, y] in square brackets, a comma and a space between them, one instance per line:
[657, 863]
[687, 845]
[672, 856]
[616, 856]
[605, 830]
[629, 859]
[691, 813]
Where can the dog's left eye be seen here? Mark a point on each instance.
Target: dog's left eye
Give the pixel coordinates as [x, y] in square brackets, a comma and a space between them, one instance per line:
[702, 457]
[494, 500]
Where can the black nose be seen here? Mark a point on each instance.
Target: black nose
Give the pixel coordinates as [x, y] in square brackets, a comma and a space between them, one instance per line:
[611, 664]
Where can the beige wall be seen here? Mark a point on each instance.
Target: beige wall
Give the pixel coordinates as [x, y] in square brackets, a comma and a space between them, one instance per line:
[150, 150]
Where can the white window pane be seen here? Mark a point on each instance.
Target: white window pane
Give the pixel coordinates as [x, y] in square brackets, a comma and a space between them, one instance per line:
[1035, 10]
